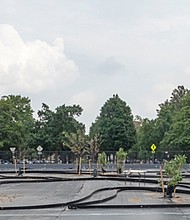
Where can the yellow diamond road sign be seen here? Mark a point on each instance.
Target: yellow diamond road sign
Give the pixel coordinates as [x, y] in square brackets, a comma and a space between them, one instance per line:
[153, 147]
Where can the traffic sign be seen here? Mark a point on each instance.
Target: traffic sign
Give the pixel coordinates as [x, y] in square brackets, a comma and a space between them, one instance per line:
[39, 148]
[153, 147]
[12, 149]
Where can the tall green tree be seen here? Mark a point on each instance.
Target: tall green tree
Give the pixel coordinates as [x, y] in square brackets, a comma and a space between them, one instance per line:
[177, 137]
[167, 111]
[64, 120]
[115, 125]
[52, 124]
[155, 130]
[43, 128]
[16, 123]
[145, 138]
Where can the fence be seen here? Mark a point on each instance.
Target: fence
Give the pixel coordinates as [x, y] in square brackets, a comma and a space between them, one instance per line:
[68, 157]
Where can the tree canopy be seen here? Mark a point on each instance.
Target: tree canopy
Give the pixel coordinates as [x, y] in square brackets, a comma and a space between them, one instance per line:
[113, 128]
[169, 131]
[115, 125]
[52, 124]
[16, 123]
[177, 137]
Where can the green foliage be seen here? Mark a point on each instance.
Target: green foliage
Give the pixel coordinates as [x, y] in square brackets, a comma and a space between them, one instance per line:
[121, 157]
[177, 137]
[173, 169]
[166, 115]
[16, 123]
[76, 142]
[44, 128]
[169, 131]
[102, 158]
[52, 124]
[115, 125]
[145, 138]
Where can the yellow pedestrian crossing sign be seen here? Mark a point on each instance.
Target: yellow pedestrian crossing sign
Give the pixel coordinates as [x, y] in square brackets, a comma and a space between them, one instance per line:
[153, 148]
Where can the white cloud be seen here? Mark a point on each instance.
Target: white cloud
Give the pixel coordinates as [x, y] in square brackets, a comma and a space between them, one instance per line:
[85, 99]
[33, 66]
[143, 49]
[159, 94]
[88, 101]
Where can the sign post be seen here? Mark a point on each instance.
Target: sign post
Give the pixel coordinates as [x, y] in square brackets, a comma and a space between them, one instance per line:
[12, 149]
[39, 149]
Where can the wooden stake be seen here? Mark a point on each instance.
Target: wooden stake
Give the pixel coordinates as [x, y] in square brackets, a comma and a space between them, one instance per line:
[175, 191]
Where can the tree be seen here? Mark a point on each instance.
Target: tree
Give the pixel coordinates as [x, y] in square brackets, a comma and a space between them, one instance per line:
[156, 130]
[145, 138]
[43, 128]
[115, 125]
[173, 173]
[52, 124]
[102, 159]
[121, 157]
[77, 143]
[94, 146]
[177, 95]
[16, 123]
[177, 137]
[166, 113]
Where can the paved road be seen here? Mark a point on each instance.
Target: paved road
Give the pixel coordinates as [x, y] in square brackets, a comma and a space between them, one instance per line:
[93, 214]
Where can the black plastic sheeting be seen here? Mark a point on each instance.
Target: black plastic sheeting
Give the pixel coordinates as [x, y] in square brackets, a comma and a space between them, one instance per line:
[83, 203]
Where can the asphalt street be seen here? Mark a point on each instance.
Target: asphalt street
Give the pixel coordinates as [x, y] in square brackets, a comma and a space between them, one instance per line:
[93, 214]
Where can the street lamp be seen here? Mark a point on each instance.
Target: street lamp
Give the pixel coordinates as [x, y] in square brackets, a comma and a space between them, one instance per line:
[12, 149]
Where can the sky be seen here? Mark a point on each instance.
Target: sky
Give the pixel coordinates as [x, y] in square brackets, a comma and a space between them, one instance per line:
[84, 51]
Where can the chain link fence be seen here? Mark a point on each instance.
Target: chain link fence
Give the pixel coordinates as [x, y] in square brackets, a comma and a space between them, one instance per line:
[68, 157]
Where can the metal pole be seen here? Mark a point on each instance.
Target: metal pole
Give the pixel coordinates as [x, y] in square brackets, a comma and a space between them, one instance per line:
[80, 162]
[14, 158]
[24, 165]
[15, 165]
[89, 167]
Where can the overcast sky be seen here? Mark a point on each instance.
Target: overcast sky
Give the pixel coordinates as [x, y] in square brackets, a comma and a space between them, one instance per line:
[84, 51]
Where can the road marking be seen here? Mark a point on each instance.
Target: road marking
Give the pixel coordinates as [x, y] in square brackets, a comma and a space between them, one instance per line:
[123, 214]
